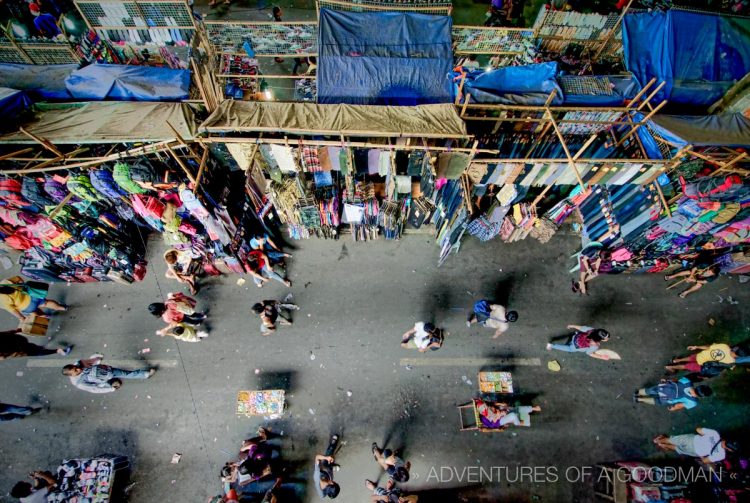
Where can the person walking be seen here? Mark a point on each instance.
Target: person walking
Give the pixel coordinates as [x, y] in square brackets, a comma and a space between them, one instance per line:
[389, 494]
[583, 340]
[24, 299]
[717, 352]
[423, 336]
[323, 471]
[270, 312]
[395, 467]
[9, 412]
[93, 376]
[13, 345]
[259, 267]
[491, 316]
[178, 308]
[677, 394]
[705, 444]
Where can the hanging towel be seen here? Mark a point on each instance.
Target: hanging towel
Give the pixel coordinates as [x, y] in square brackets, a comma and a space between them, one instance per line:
[310, 160]
[324, 157]
[285, 158]
[334, 154]
[323, 179]
[384, 165]
[373, 161]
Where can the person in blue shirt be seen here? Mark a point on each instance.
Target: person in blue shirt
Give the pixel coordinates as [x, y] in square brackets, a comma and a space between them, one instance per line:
[677, 394]
[45, 23]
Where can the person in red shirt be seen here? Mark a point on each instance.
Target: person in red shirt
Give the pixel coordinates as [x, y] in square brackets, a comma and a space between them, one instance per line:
[177, 309]
[259, 267]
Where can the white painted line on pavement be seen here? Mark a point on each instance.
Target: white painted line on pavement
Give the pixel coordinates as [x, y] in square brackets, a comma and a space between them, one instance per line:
[60, 362]
[469, 362]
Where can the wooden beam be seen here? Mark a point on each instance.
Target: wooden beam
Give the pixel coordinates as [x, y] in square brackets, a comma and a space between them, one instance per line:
[182, 141]
[726, 166]
[65, 201]
[571, 162]
[43, 142]
[16, 153]
[647, 101]
[731, 94]
[645, 119]
[49, 162]
[460, 89]
[201, 167]
[182, 165]
[575, 157]
[662, 198]
[641, 92]
[613, 31]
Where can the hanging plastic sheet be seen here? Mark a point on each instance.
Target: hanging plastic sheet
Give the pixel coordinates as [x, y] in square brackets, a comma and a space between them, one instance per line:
[41, 82]
[730, 130]
[12, 103]
[699, 56]
[384, 58]
[129, 83]
[519, 85]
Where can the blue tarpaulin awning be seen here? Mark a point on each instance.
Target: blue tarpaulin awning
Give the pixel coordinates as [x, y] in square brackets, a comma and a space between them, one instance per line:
[129, 83]
[384, 58]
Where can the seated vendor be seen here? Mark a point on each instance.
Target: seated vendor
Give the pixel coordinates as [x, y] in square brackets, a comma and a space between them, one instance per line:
[498, 415]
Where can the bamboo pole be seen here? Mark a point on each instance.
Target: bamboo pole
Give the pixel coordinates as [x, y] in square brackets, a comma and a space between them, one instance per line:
[460, 89]
[575, 157]
[45, 143]
[201, 167]
[662, 198]
[49, 162]
[641, 93]
[726, 166]
[612, 32]
[647, 101]
[182, 141]
[182, 165]
[16, 153]
[466, 102]
[645, 119]
[331, 143]
[571, 162]
[201, 89]
[674, 162]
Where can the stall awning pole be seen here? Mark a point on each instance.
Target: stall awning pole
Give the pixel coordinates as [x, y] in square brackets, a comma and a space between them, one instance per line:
[571, 162]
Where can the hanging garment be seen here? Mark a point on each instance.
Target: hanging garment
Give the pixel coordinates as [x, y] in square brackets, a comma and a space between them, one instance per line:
[361, 160]
[10, 191]
[284, 157]
[310, 159]
[323, 179]
[384, 163]
[143, 172]
[194, 205]
[403, 184]
[414, 166]
[56, 190]
[344, 165]
[325, 157]
[141, 206]
[104, 183]
[353, 213]
[451, 165]
[121, 175]
[80, 185]
[33, 192]
[373, 161]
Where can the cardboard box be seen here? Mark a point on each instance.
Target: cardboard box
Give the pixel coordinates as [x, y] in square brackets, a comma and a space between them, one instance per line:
[35, 325]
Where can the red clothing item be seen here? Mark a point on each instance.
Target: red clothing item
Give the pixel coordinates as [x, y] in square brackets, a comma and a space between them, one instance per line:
[178, 305]
[256, 261]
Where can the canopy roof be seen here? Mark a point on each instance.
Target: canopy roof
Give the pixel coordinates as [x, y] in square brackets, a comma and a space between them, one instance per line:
[104, 122]
[423, 121]
[710, 130]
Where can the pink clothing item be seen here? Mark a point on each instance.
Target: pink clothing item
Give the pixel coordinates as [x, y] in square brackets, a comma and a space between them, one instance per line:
[440, 183]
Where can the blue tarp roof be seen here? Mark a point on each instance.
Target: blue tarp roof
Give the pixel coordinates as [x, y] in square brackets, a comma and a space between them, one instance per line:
[129, 83]
[699, 56]
[384, 58]
[515, 85]
[41, 82]
[12, 102]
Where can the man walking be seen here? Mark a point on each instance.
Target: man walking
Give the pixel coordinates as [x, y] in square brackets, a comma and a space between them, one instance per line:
[10, 412]
[677, 394]
[13, 345]
[323, 471]
[270, 312]
[492, 316]
[92, 376]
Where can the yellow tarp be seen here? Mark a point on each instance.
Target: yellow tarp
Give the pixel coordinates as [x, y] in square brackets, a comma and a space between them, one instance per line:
[424, 121]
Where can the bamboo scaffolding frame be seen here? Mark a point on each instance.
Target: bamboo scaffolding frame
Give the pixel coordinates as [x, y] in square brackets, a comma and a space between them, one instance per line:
[201, 168]
[575, 158]
[372, 134]
[12, 155]
[564, 145]
[43, 142]
[645, 120]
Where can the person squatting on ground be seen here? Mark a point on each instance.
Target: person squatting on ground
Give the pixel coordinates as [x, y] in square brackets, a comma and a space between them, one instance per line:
[699, 277]
[181, 266]
[259, 267]
[10, 412]
[492, 316]
[584, 340]
[423, 336]
[92, 376]
[395, 467]
[271, 312]
[720, 353]
[265, 244]
[22, 299]
[323, 471]
[677, 394]
[14, 345]
[36, 492]
[707, 445]
[499, 415]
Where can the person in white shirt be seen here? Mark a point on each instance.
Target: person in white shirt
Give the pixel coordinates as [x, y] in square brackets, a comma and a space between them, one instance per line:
[36, 492]
[423, 336]
[93, 376]
[707, 445]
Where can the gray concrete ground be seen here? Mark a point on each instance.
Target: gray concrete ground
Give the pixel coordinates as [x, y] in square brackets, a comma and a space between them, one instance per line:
[357, 299]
